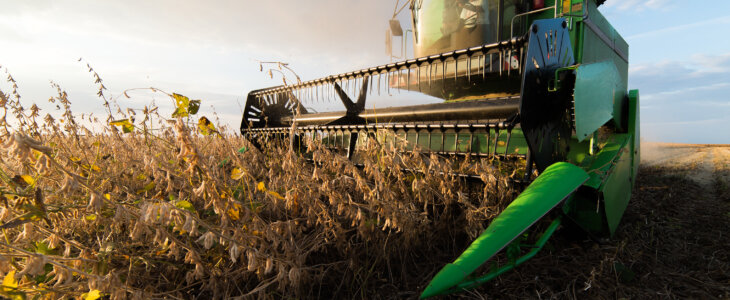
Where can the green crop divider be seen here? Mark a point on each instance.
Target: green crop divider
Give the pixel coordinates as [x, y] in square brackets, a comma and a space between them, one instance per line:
[558, 182]
[493, 274]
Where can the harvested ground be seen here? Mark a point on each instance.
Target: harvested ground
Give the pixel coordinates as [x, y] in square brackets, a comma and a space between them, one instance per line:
[672, 243]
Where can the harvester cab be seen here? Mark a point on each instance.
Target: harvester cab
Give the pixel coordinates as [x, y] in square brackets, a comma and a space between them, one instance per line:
[542, 82]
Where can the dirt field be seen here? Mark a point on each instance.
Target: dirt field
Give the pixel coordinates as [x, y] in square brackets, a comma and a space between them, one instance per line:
[672, 243]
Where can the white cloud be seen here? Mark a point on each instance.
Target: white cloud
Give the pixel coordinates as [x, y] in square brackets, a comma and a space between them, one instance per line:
[680, 100]
[715, 22]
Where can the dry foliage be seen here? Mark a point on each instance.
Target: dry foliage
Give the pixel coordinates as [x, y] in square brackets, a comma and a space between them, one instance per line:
[112, 208]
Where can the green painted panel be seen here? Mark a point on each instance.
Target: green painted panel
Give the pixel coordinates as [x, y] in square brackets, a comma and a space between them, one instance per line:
[555, 184]
[463, 142]
[617, 189]
[411, 137]
[423, 144]
[450, 141]
[596, 85]
[598, 46]
[437, 141]
[610, 178]
[481, 142]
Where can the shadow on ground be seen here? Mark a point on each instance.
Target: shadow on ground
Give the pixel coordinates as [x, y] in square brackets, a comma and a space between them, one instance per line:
[673, 243]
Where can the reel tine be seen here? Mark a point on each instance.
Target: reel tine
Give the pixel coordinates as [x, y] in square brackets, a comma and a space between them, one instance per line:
[456, 67]
[387, 82]
[468, 69]
[371, 85]
[519, 67]
[479, 65]
[501, 64]
[509, 62]
[400, 76]
[379, 75]
[443, 72]
[408, 79]
[430, 67]
[490, 63]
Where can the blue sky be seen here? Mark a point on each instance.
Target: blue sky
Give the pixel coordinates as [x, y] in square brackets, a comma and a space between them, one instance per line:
[680, 60]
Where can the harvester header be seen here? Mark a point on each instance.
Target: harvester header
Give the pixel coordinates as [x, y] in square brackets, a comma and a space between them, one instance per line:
[543, 83]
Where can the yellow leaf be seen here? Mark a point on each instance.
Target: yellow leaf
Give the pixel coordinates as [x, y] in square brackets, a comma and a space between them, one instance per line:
[91, 295]
[261, 186]
[141, 177]
[276, 195]
[126, 125]
[90, 217]
[108, 197]
[9, 282]
[94, 168]
[180, 100]
[205, 126]
[237, 174]
[28, 179]
[234, 212]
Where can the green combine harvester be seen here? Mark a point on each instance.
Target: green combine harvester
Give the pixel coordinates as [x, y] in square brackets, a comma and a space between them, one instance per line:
[544, 81]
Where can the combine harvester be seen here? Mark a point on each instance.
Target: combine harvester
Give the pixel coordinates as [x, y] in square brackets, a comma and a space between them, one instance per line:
[541, 81]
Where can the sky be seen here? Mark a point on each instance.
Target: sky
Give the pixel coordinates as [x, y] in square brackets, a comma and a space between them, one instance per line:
[679, 60]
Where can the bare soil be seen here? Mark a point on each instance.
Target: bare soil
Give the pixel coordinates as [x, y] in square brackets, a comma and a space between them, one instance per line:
[672, 243]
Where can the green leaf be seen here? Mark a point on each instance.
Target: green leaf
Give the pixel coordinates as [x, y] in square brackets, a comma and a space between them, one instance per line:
[194, 106]
[205, 126]
[224, 162]
[182, 204]
[148, 187]
[243, 149]
[33, 214]
[126, 125]
[43, 248]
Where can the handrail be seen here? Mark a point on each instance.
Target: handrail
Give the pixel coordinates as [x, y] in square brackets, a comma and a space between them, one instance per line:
[512, 23]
